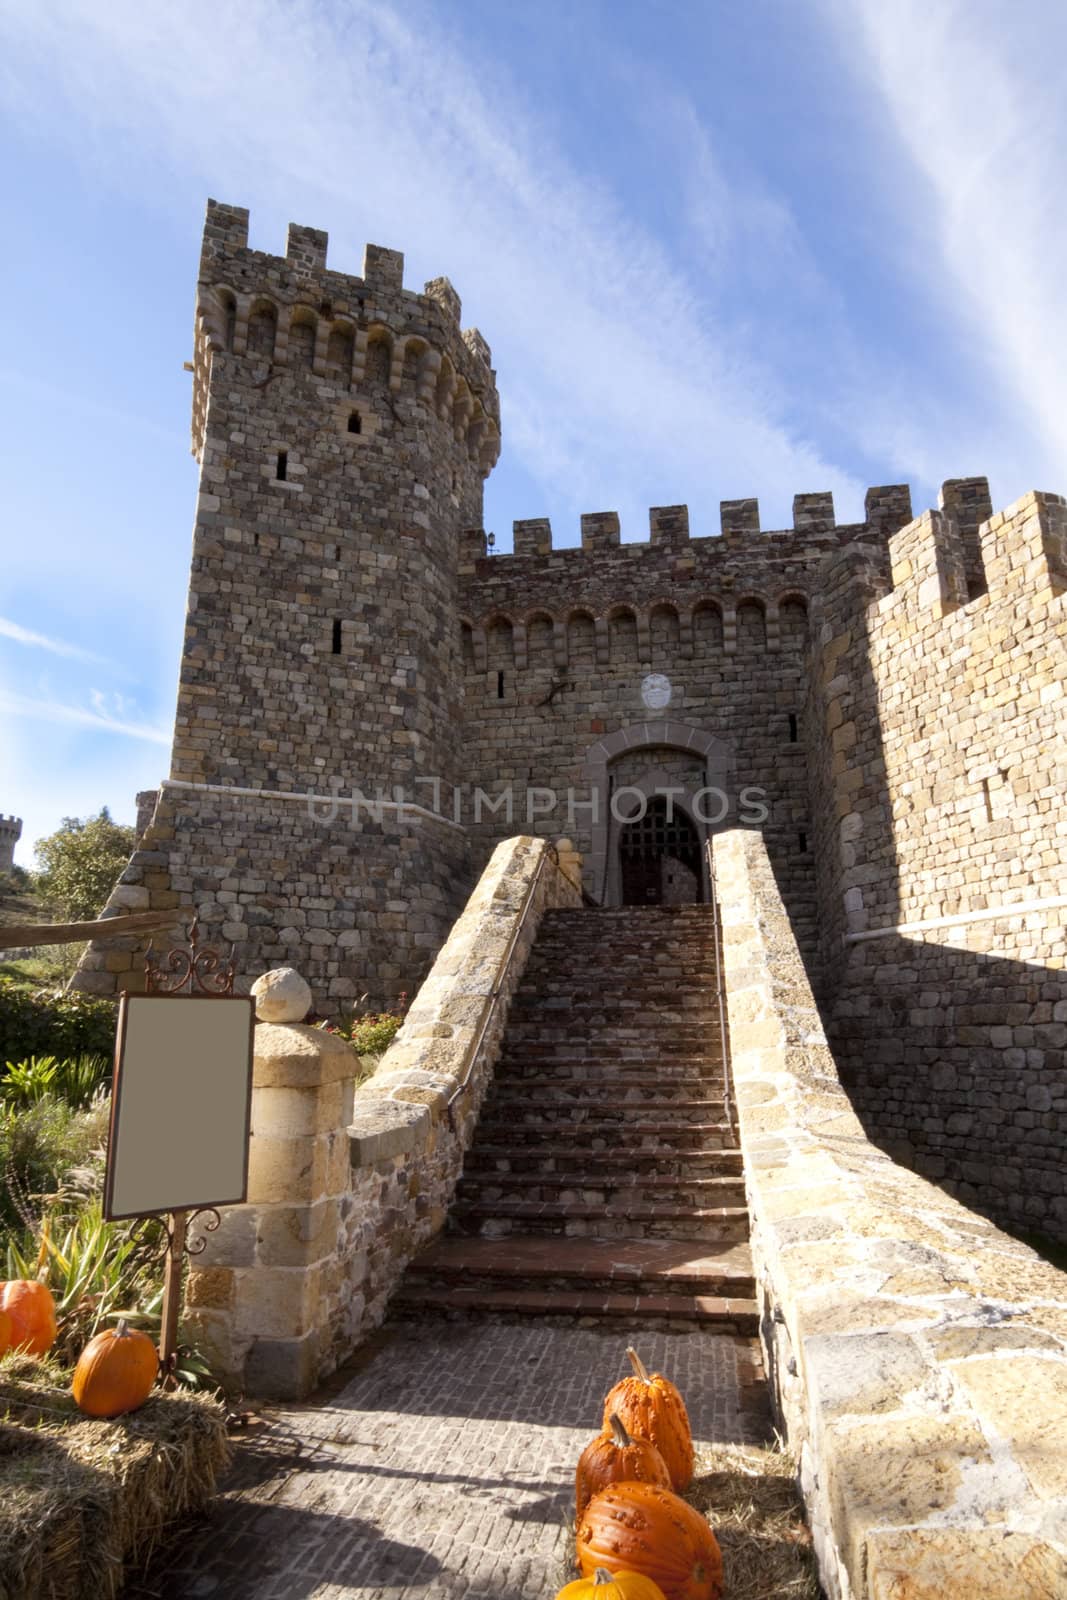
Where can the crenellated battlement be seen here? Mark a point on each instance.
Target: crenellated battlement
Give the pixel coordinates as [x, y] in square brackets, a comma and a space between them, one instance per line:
[949, 558]
[887, 509]
[294, 313]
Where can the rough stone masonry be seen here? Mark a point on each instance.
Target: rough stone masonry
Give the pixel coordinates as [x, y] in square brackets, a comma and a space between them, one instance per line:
[369, 701]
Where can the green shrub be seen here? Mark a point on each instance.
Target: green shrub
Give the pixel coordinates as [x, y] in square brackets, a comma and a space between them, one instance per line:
[371, 1033]
[76, 1081]
[50, 1024]
[96, 1271]
[39, 1145]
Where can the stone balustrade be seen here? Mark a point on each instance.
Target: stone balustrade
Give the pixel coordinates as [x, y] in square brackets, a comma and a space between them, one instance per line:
[918, 1356]
[347, 1182]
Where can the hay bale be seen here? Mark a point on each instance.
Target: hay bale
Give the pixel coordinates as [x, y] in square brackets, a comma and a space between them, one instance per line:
[80, 1498]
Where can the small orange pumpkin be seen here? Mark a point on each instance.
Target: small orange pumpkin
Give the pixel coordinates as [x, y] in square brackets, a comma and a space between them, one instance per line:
[604, 1585]
[613, 1457]
[651, 1408]
[32, 1314]
[115, 1371]
[637, 1527]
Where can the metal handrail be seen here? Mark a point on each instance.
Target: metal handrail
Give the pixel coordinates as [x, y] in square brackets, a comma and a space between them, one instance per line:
[720, 985]
[494, 994]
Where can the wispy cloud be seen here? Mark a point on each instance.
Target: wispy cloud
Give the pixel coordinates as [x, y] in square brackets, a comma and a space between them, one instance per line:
[629, 374]
[41, 641]
[984, 130]
[97, 718]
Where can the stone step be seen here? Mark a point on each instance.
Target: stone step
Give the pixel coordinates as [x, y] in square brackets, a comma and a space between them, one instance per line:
[587, 1130]
[603, 1189]
[607, 1024]
[602, 1098]
[564, 1050]
[602, 1078]
[574, 1159]
[596, 999]
[643, 1266]
[502, 1218]
[638, 958]
[737, 1317]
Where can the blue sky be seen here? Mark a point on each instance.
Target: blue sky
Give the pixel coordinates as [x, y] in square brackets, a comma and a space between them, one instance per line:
[718, 250]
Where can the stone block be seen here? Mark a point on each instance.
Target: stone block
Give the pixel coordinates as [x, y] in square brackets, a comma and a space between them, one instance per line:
[381, 1129]
[293, 1236]
[283, 1369]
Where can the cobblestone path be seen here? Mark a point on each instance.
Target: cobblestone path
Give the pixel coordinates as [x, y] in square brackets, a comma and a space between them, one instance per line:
[440, 1465]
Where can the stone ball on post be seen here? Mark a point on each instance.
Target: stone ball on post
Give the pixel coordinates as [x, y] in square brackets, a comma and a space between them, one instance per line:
[281, 995]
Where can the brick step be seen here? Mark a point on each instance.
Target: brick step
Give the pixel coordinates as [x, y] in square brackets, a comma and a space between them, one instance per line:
[643, 1266]
[636, 950]
[607, 1023]
[523, 1050]
[626, 1005]
[600, 1071]
[610, 919]
[605, 1098]
[584, 1133]
[580, 965]
[738, 1317]
[502, 1218]
[582, 1157]
[608, 1190]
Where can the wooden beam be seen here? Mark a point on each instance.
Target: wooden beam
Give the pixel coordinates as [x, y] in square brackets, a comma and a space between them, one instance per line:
[34, 933]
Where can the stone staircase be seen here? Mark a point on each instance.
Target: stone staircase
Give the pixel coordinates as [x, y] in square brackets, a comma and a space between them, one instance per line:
[604, 1179]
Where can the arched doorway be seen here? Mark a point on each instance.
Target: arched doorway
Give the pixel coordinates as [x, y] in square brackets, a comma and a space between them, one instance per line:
[659, 857]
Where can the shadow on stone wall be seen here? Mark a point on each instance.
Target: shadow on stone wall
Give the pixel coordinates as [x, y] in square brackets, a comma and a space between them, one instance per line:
[929, 798]
[956, 1063]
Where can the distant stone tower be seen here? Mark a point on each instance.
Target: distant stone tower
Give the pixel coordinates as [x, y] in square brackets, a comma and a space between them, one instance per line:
[344, 427]
[10, 834]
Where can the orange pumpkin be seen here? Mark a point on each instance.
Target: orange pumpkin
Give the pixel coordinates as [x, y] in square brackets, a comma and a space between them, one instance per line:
[604, 1585]
[613, 1457]
[651, 1408]
[637, 1527]
[115, 1372]
[32, 1313]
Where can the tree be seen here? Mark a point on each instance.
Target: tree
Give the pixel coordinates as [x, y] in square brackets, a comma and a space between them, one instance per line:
[80, 863]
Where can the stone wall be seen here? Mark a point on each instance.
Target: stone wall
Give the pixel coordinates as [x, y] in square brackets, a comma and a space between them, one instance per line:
[558, 646]
[345, 1186]
[358, 899]
[917, 1355]
[938, 711]
[940, 720]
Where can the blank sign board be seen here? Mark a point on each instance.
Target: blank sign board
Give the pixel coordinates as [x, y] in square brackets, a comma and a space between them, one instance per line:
[181, 1104]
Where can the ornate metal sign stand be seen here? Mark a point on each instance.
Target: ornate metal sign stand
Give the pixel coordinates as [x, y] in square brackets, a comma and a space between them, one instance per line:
[184, 970]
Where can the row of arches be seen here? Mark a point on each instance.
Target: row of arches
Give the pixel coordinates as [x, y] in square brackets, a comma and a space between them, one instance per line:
[370, 358]
[660, 633]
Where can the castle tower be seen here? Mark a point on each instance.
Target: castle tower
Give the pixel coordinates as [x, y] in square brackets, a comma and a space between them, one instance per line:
[10, 834]
[344, 426]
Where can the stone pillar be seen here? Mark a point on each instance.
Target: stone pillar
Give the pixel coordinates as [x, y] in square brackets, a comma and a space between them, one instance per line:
[253, 1298]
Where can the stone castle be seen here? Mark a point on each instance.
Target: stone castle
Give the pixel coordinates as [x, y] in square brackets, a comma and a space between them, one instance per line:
[370, 701]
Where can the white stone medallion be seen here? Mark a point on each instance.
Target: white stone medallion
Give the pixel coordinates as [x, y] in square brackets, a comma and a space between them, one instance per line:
[656, 691]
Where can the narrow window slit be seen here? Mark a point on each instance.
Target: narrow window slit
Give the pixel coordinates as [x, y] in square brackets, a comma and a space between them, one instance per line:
[500, 686]
[802, 841]
[283, 465]
[337, 637]
[793, 727]
[355, 423]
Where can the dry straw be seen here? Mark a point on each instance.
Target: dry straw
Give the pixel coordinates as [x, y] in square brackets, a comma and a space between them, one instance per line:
[81, 1499]
[749, 1495]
